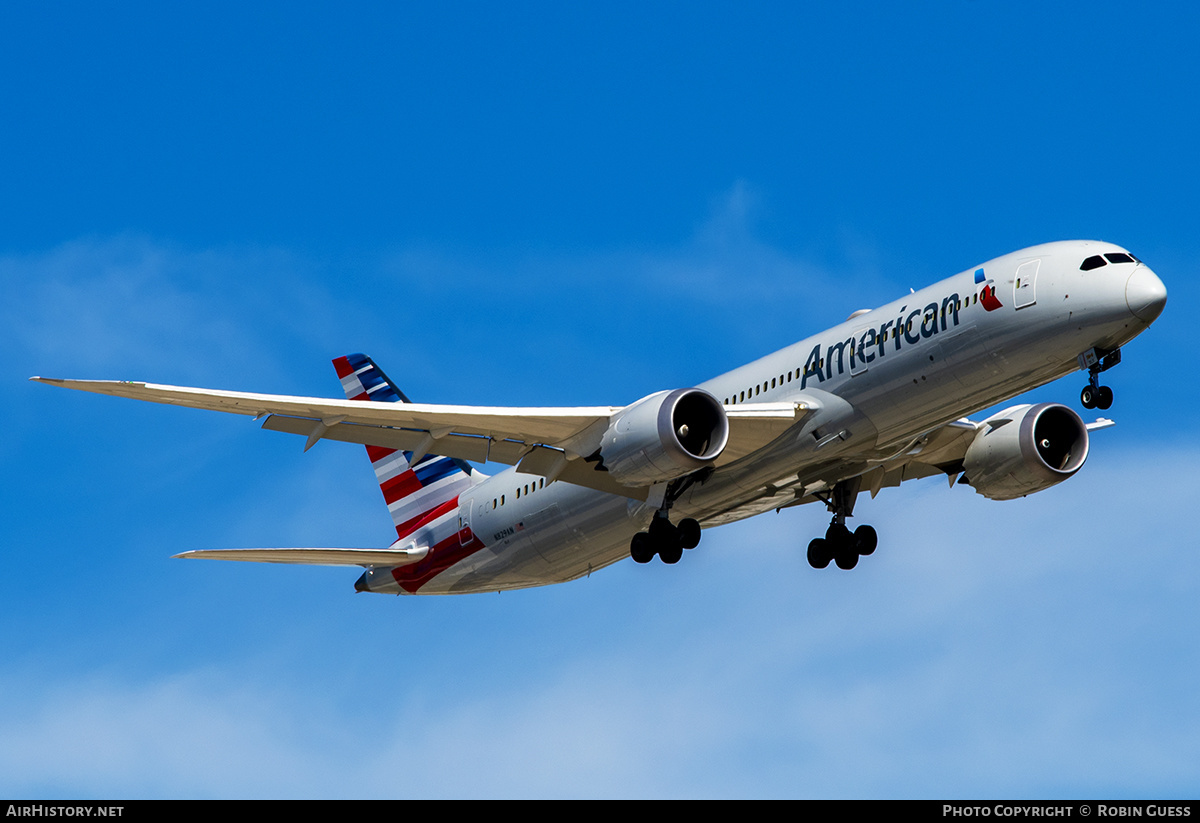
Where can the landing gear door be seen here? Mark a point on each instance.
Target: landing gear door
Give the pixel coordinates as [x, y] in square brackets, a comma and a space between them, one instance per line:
[1024, 287]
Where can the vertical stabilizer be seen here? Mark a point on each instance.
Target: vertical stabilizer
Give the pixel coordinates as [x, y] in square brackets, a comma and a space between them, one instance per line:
[421, 493]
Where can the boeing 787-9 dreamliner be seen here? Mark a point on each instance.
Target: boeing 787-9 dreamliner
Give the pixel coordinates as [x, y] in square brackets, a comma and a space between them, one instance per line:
[876, 400]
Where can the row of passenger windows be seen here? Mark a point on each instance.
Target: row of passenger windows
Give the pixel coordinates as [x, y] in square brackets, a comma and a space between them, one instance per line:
[753, 391]
[1096, 260]
[528, 488]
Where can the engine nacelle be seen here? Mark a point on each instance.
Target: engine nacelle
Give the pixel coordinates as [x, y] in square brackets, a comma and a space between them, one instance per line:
[664, 436]
[1025, 449]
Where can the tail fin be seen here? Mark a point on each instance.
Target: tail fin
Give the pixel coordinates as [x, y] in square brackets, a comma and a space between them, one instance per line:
[417, 492]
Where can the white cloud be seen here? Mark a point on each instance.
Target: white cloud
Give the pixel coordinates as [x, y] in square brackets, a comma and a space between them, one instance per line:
[132, 303]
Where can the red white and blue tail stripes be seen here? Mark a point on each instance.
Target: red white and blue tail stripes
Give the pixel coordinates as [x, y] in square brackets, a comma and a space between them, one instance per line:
[363, 380]
[419, 497]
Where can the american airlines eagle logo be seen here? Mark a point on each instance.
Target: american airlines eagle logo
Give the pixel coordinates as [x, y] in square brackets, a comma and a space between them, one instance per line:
[987, 296]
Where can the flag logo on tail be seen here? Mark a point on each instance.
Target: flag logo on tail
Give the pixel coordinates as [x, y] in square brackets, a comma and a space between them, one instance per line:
[422, 496]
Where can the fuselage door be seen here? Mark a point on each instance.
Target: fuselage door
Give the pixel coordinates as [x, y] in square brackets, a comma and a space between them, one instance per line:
[1025, 284]
[864, 339]
[464, 521]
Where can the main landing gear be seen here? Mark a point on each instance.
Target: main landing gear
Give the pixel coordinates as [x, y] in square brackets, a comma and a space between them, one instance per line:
[665, 539]
[842, 546]
[1095, 396]
[839, 544]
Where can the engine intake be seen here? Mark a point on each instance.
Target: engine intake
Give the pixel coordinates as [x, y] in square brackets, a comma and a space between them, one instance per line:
[664, 436]
[1026, 449]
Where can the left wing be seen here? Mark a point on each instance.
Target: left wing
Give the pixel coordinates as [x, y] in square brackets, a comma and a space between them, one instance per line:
[546, 441]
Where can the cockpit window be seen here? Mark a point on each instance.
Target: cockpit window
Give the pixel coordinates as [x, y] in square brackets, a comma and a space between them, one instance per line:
[1119, 257]
[1093, 262]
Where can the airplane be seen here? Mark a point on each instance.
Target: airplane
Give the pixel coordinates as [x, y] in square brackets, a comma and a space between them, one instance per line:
[877, 400]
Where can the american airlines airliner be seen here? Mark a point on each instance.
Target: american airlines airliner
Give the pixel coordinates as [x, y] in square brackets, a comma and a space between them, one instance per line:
[878, 399]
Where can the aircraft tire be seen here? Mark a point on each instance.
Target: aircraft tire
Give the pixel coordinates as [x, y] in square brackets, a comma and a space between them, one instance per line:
[1087, 397]
[1104, 398]
[663, 532]
[689, 533]
[846, 559]
[865, 540]
[838, 536]
[670, 554]
[818, 553]
[641, 548]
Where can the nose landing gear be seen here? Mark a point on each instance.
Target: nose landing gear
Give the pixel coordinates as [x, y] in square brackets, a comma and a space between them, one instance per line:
[1095, 396]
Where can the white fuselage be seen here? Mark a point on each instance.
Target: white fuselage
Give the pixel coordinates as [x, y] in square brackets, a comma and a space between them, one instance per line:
[883, 377]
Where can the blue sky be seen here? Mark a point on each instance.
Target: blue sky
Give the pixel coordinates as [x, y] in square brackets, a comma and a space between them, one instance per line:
[553, 205]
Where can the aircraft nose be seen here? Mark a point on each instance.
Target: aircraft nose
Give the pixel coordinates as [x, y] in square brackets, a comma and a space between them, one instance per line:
[1145, 294]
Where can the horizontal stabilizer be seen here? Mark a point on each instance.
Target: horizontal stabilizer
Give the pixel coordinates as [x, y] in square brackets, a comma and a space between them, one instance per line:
[315, 557]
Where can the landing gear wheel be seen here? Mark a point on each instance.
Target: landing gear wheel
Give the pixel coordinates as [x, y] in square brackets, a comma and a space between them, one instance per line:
[838, 535]
[670, 554]
[818, 553]
[839, 543]
[865, 540]
[662, 532]
[641, 548]
[689, 533]
[1095, 396]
